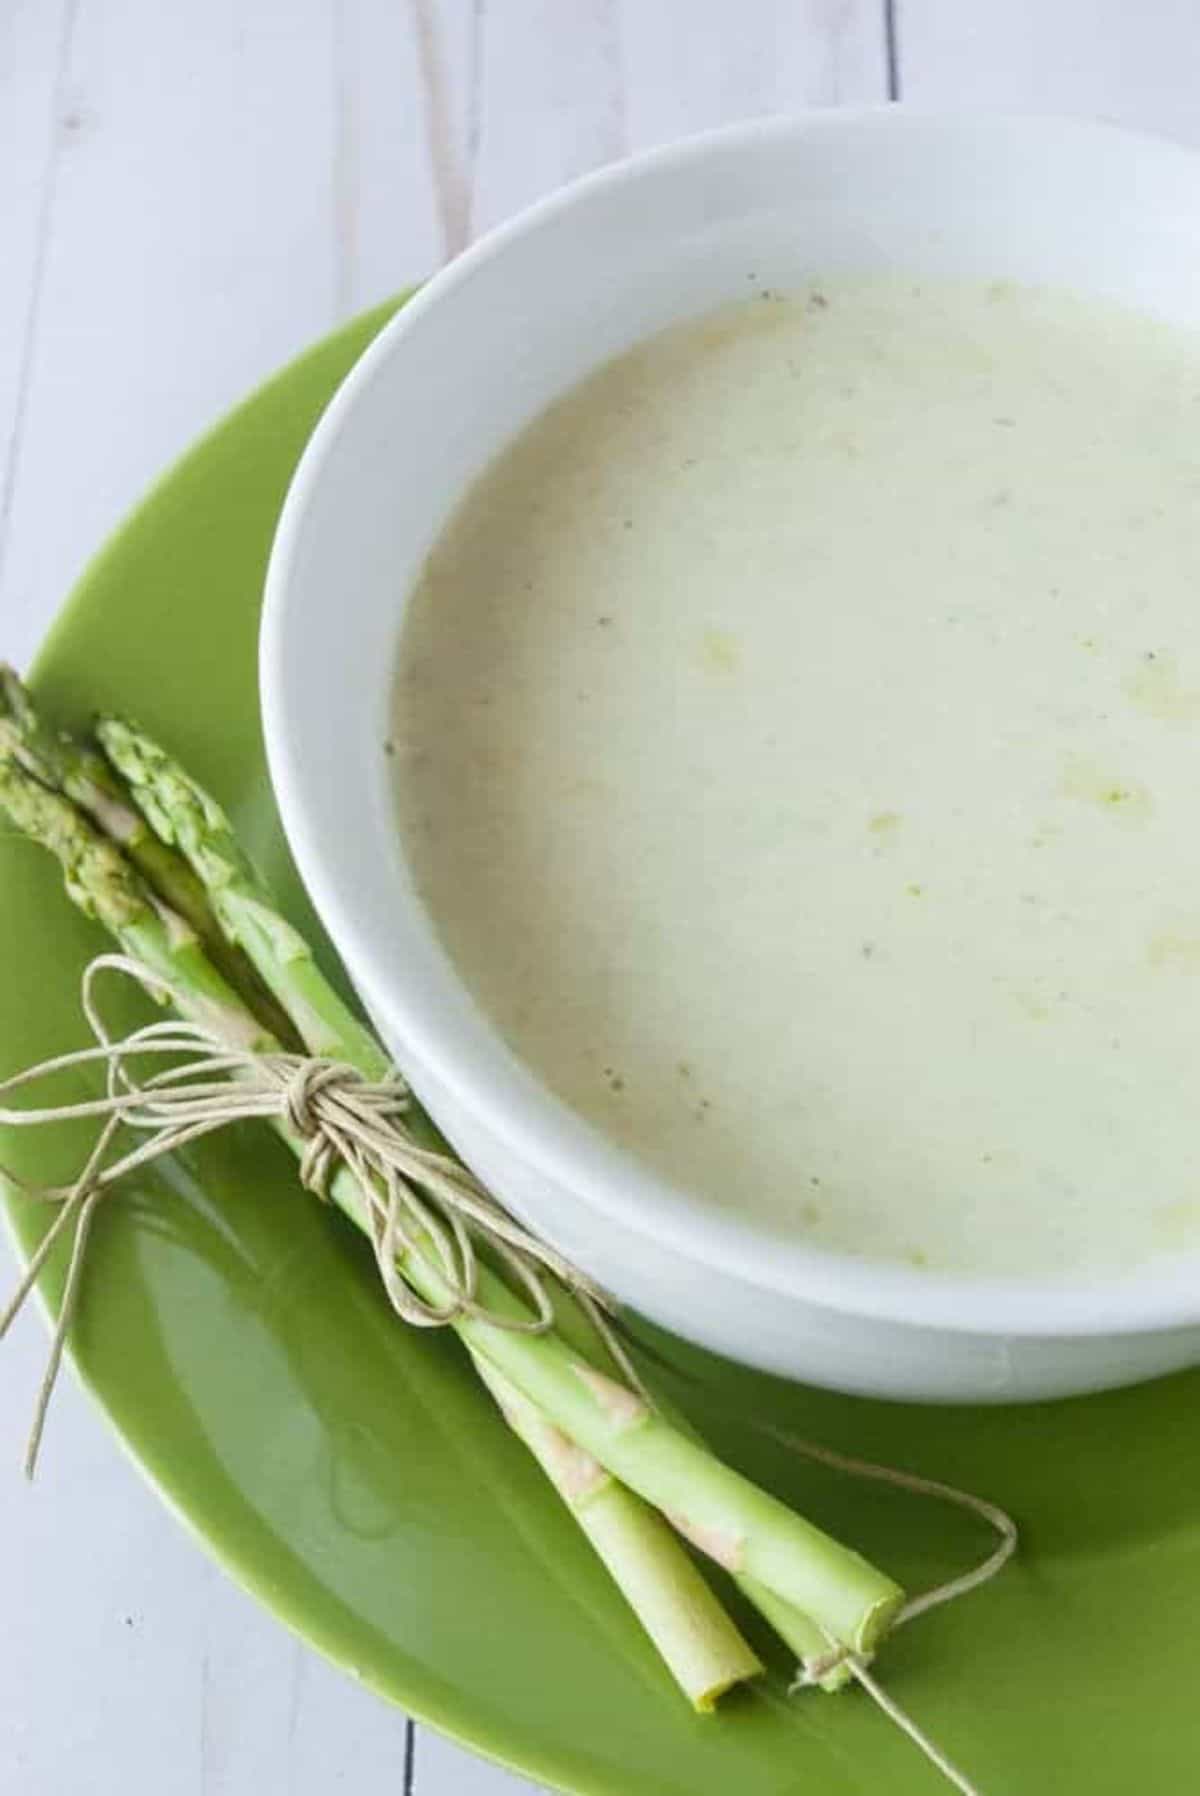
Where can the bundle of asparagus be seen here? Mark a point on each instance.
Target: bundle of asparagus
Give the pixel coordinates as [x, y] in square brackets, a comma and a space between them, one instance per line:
[150, 856]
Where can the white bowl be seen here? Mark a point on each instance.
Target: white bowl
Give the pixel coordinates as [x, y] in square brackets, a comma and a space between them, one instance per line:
[518, 319]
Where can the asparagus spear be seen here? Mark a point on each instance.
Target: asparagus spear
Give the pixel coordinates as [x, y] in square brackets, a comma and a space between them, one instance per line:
[745, 1529]
[699, 1643]
[811, 1647]
[822, 1666]
[77, 771]
[626, 1534]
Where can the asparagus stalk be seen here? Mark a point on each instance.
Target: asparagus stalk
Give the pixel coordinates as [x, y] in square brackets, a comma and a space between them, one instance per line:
[681, 1617]
[698, 1642]
[84, 776]
[797, 1630]
[745, 1529]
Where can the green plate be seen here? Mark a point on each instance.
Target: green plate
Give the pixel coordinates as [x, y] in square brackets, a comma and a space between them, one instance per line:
[352, 1475]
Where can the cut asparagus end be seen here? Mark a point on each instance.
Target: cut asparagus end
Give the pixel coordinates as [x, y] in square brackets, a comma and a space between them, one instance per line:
[575, 1325]
[697, 1641]
[823, 1664]
[849, 1600]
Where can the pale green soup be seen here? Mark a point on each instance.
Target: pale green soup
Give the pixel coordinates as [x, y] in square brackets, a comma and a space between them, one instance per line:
[797, 744]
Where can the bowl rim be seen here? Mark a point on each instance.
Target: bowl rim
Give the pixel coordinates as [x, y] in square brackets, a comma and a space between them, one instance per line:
[485, 1078]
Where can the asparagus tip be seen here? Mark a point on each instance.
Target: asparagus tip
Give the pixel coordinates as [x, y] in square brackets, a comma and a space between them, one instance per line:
[98, 878]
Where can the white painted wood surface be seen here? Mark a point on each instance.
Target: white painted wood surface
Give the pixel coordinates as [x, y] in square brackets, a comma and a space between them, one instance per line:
[188, 193]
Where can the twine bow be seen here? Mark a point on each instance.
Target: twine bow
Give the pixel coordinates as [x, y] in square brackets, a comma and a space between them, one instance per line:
[418, 1200]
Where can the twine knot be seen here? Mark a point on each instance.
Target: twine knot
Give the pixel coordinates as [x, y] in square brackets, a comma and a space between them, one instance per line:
[309, 1079]
[304, 1109]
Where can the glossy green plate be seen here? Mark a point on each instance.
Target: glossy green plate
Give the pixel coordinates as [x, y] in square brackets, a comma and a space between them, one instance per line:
[353, 1476]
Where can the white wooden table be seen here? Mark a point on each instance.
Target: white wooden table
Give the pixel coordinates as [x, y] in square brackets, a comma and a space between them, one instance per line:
[191, 190]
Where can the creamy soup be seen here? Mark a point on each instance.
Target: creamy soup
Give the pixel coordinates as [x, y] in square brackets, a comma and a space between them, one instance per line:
[797, 745]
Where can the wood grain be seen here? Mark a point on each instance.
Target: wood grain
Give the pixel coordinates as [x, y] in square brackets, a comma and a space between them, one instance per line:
[229, 177]
[550, 100]
[35, 46]
[688, 68]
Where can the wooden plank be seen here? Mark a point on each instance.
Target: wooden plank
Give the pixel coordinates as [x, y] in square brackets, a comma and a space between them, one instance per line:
[690, 67]
[443, 1768]
[388, 229]
[228, 183]
[179, 1682]
[550, 100]
[34, 46]
[449, 37]
[564, 90]
[1138, 65]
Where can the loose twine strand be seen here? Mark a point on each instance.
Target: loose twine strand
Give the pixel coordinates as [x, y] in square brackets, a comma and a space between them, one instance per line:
[418, 1200]
[996, 1518]
[947, 1592]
